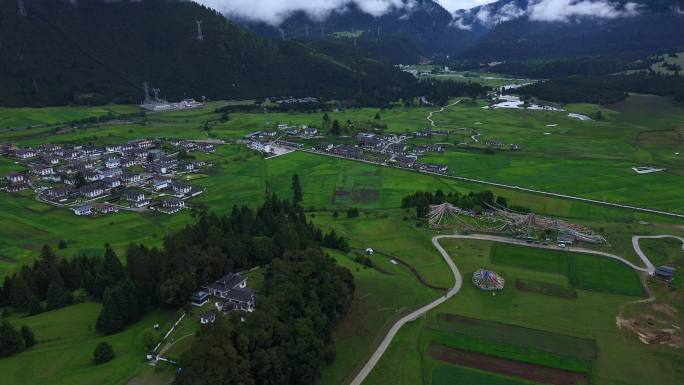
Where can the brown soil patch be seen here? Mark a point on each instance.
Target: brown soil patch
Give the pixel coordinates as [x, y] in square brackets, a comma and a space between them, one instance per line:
[341, 193]
[652, 331]
[365, 195]
[506, 367]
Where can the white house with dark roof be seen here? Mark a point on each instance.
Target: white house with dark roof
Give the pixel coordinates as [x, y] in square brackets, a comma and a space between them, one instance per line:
[43, 170]
[182, 188]
[83, 210]
[15, 177]
[136, 198]
[25, 154]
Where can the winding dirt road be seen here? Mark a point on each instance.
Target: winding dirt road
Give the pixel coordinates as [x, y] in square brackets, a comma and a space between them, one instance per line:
[458, 282]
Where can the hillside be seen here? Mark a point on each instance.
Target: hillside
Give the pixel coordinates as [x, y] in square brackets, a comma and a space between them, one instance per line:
[426, 25]
[655, 26]
[98, 51]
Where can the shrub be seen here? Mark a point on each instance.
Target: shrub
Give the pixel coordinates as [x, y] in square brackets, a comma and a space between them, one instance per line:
[103, 353]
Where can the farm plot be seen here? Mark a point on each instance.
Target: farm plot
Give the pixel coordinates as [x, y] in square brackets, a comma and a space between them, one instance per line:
[545, 288]
[448, 375]
[583, 349]
[584, 271]
[506, 367]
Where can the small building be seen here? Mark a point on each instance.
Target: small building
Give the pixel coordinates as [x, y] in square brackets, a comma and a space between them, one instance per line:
[208, 318]
[310, 131]
[566, 239]
[370, 251]
[15, 177]
[160, 182]
[222, 286]
[92, 176]
[43, 170]
[25, 154]
[199, 298]
[238, 300]
[182, 188]
[424, 133]
[113, 148]
[348, 151]
[665, 273]
[136, 198]
[111, 183]
[368, 140]
[129, 177]
[112, 163]
[173, 205]
[92, 190]
[58, 194]
[104, 208]
[83, 210]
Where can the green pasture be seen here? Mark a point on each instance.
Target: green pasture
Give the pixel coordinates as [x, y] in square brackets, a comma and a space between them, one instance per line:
[620, 359]
[64, 353]
[584, 271]
[14, 118]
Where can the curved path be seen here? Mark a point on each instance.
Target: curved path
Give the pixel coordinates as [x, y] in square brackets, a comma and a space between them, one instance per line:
[429, 117]
[365, 371]
[458, 282]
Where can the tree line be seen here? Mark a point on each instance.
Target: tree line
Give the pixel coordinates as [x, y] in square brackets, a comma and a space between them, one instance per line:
[476, 201]
[605, 89]
[197, 254]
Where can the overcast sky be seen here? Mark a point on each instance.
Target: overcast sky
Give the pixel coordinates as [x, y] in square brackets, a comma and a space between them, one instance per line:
[274, 11]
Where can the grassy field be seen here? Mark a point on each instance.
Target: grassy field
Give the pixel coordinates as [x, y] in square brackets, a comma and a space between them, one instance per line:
[26, 117]
[64, 353]
[584, 271]
[620, 359]
[589, 159]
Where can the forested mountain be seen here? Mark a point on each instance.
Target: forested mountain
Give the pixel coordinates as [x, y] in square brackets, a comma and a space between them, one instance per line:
[651, 29]
[502, 30]
[97, 51]
[425, 24]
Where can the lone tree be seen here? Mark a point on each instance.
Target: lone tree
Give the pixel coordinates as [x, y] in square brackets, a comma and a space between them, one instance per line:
[336, 130]
[296, 190]
[103, 353]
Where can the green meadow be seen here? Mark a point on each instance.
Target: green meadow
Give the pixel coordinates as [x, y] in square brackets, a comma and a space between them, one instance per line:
[591, 159]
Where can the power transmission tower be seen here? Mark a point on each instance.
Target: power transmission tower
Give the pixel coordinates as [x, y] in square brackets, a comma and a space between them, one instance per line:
[21, 9]
[147, 93]
[322, 31]
[200, 36]
[282, 34]
[306, 29]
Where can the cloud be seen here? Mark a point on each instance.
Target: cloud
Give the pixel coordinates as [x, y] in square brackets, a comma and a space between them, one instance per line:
[564, 10]
[275, 11]
[455, 5]
[543, 10]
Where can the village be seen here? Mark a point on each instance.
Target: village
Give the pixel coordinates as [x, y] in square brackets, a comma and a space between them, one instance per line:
[382, 148]
[137, 175]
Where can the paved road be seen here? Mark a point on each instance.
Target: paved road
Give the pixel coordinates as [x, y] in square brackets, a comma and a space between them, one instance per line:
[458, 282]
[640, 253]
[365, 371]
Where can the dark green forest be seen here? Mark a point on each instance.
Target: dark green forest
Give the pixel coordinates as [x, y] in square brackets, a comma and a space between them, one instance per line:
[285, 341]
[93, 52]
[605, 89]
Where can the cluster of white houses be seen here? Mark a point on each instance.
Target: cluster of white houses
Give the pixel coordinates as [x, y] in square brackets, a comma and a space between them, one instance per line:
[231, 294]
[391, 147]
[102, 180]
